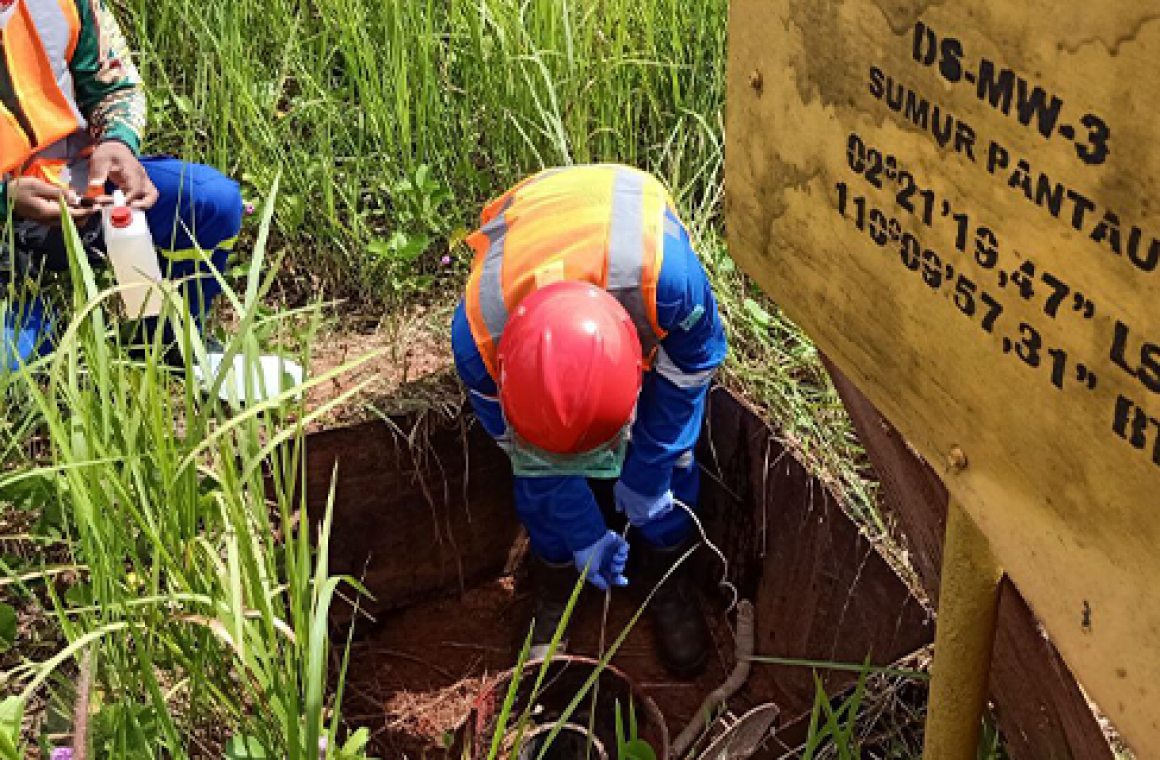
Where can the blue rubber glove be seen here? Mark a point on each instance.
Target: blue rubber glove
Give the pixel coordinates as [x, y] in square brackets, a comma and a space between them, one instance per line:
[641, 509]
[605, 560]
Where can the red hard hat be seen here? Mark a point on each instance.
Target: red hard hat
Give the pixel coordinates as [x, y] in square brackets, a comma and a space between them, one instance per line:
[569, 368]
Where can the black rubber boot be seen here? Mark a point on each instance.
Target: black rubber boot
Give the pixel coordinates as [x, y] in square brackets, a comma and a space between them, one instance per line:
[680, 631]
[553, 585]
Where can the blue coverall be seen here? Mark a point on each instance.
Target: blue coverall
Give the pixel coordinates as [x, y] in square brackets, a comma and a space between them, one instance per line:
[560, 513]
[197, 207]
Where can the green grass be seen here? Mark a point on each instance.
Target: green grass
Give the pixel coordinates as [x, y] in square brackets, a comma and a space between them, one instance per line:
[393, 121]
[350, 98]
[200, 584]
[389, 124]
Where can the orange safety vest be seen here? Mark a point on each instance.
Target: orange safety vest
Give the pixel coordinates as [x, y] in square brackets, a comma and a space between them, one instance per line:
[39, 117]
[602, 224]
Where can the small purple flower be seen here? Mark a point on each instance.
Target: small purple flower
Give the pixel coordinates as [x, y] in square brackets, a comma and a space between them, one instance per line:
[250, 208]
[61, 753]
[321, 748]
[445, 260]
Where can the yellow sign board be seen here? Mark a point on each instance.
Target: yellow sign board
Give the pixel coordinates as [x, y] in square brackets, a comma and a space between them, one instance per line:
[960, 203]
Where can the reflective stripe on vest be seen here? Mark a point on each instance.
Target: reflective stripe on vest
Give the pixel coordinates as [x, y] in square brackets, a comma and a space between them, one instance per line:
[601, 224]
[37, 98]
[65, 163]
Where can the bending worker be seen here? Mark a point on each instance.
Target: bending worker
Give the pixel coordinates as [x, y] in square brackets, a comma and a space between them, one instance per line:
[587, 339]
[74, 111]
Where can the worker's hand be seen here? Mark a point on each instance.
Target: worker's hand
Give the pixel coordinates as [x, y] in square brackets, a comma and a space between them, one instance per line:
[114, 161]
[39, 201]
[603, 562]
[639, 508]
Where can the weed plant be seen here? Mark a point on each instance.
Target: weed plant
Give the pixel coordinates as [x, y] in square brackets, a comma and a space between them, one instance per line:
[394, 121]
[354, 98]
[201, 586]
[203, 592]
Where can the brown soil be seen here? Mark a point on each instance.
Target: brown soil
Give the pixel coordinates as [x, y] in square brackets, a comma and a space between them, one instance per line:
[414, 678]
[406, 349]
[407, 344]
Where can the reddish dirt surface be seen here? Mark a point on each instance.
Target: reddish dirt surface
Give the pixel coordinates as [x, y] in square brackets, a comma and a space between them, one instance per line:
[409, 345]
[407, 350]
[414, 677]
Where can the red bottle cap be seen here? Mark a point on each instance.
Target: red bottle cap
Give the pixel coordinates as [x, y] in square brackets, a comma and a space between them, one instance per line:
[121, 217]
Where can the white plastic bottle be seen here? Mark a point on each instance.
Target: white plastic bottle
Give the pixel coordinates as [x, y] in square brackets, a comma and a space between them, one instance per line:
[130, 248]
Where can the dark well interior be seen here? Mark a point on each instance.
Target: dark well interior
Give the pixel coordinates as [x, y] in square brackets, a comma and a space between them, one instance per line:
[423, 516]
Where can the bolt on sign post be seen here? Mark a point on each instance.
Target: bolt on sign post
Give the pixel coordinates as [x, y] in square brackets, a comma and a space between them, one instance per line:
[960, 203]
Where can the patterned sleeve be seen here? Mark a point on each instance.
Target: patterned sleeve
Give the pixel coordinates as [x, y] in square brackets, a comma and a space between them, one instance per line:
[108, 87]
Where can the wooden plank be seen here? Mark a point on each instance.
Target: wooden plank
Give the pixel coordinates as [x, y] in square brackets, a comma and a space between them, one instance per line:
[821, 590]
[422, 505]
[1040, 709]
[956, 202]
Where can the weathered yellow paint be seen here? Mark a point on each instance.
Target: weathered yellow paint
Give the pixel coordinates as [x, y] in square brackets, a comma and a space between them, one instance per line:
[968, 608]
[1061, 480]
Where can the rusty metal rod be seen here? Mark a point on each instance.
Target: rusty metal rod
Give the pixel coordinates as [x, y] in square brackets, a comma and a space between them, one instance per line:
[968, 610]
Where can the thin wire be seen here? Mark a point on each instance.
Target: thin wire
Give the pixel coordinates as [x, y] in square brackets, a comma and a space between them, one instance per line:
[600, 654]
[607, 604]
[724, 583]
[604, 622]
